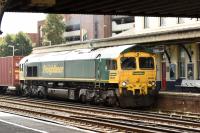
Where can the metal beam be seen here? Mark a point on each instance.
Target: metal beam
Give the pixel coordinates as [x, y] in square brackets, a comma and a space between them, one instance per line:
[188, 53]
[125, 7]
[168, 57]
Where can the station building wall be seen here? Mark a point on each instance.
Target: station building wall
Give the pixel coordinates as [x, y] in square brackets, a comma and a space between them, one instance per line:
[154, 24]
[180, 66]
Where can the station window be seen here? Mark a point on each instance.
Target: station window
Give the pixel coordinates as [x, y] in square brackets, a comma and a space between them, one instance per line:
[199, 63]
[128, 63]
[180, 20]
[146, 62]
[162, 21]
[111, 64]
[172, 71]
[96, 29]
[181, 63]
[146, 22]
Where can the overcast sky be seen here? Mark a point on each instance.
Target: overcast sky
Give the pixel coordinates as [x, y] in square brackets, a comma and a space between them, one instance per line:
[25, 22]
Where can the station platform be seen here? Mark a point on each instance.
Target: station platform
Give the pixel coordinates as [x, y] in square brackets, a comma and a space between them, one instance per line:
[10, 123]
[179, 102]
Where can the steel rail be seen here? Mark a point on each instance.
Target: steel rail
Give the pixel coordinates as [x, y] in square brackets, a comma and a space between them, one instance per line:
[143, 116]
[73, 112]
[88, 124]
[164, 114]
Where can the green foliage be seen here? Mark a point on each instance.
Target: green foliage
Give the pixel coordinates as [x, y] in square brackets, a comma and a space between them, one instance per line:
[1, 40]
[7, 40]
[21, 43]
[54, 28]
[24, 44]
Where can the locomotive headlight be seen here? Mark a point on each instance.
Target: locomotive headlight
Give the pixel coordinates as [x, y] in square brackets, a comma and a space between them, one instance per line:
[153, 83]
[124, 84]
[150, 83]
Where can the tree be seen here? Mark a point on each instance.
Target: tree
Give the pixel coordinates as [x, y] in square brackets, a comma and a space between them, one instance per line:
[23, 44]
[20, 41]
[7, 40]
[54, 28]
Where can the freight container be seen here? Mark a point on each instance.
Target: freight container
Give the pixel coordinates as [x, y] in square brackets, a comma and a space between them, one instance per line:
[9, 71]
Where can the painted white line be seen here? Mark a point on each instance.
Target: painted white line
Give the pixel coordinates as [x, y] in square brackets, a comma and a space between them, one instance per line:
[23, 126]
[59, 125]
[46, 122]
[5, 114]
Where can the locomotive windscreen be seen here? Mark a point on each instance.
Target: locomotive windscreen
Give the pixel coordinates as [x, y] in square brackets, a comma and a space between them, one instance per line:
[146, 62]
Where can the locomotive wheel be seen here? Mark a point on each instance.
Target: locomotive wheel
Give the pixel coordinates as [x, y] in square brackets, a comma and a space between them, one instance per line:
[117, 104]
[122, 103]
[2, 90]
[24, 91]
[83, 98]
[96, 100]
[111, 101]
[41, 95]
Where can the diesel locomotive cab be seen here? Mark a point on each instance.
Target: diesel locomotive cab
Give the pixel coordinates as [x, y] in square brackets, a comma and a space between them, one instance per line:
[137, 78]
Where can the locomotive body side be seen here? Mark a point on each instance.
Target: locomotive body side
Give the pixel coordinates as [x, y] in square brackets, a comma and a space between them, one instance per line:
[87, 75]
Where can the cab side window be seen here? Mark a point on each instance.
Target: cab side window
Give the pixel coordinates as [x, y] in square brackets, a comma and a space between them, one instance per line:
[146, 62]
[32, 71]
[111, 64]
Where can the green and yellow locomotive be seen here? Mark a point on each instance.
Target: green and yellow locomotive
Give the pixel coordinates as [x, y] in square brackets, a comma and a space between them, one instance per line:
[121, 75]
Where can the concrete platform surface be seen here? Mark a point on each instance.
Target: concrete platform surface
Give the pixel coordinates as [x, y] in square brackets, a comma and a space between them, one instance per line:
[10, 123]
[184, 94]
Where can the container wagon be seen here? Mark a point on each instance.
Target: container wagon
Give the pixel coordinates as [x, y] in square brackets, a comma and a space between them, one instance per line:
[9, 71]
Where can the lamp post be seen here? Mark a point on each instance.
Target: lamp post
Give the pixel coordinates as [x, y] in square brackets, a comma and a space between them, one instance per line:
[13, 47]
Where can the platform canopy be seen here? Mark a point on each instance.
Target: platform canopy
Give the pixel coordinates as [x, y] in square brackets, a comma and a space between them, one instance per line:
[179, 8]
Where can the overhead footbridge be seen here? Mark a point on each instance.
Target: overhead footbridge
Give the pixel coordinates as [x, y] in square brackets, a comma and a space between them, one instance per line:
[124, 7]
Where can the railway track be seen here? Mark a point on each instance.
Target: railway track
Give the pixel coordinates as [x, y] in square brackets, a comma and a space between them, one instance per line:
[175, 115]
[98, 119]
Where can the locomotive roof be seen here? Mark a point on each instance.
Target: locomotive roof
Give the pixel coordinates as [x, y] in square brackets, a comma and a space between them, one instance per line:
[79, 54]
